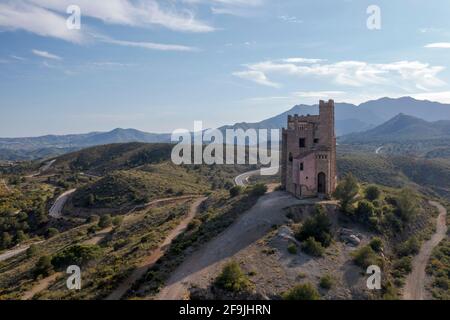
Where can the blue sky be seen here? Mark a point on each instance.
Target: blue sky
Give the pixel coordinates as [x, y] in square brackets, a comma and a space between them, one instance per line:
[159, 65]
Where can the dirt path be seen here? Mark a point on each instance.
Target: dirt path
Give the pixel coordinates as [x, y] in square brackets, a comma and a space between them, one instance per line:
[140, 271]
[415, 283]
[249, 228]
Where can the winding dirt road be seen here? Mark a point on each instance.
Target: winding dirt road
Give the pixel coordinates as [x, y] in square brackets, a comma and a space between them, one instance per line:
[140, 271]
[415, 283]
[56, 209]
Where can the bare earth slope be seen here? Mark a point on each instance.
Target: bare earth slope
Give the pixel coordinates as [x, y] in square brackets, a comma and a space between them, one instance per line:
[249, 228]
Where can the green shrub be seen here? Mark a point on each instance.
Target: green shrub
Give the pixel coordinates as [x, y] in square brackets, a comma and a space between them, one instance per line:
[232, 278]
[376, 244]
[313, 247]
[318, 227]
[409, 247]
[292, 248]
[43, 267]
[346, 191]
[117, 221]
[372, 193]
[194, 224]
[105, 221]
[365, 210]
[403, 265]
[302, 292]
[326, 282]
[75, 255]
[32, 250]
[258, 190]
[51, 232]
[235, 191]
[365, 257]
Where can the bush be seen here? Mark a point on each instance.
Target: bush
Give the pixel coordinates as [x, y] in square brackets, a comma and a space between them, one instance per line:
[235, 191]
[372, 193]
[32, 250]
[376, 244]
[258, 190]
[403, 265]
[365, 211]
[292, 248]
[43, 267]
[194, 224]
[302, 292]
[51, 232]
[105, 221]
[407, 204]
[75, 255]
[318, 227]
[326, 282]
[117, 221]
[409, 247]
[365, 257]
[313, 247]
[232, 278]
[346, 192]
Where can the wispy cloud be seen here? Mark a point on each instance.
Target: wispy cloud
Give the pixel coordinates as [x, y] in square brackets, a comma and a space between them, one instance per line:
[439, 45]
[349, 73]
[140, 13]
[45, 54]
[148, 45]
[290, 19]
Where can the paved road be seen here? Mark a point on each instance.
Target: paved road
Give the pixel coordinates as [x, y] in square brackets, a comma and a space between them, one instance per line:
[56, 209]
[378, 150]
[242, 179]
[140, 271]
[42, 169]
[415, 282]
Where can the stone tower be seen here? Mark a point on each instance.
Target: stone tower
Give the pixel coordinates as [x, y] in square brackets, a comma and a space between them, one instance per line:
[308, 158]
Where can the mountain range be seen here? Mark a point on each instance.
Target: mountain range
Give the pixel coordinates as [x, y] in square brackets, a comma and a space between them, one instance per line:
[350, 118]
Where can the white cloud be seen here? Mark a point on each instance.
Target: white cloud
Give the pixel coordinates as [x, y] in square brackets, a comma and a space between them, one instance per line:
[256, 76]
[404, 74]
[22, 15]
[443, 97]
[318, 94]
[149, 45]
[45, 54]
[290, 19]
[439, 45]
[140, 13]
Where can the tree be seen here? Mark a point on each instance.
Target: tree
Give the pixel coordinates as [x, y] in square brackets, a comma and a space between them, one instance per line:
[258, 189]
[346, 192]
[317, 227]
[32, 251]
[406, 204]
[117, 221]
[43, 267]
[304, 291]
[90, 200]
[51, 232]
[232, 278]
[6, 240]
[105, 221]
[235, 191]
[20, 236]
[365, 210]
[372, 193]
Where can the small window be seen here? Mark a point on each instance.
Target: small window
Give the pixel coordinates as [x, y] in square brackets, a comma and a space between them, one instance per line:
[302, 142]
[301, 166]
[316, 140]
[290, 157]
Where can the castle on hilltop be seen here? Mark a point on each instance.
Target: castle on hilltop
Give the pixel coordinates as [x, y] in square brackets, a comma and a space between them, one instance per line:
[308, 158]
